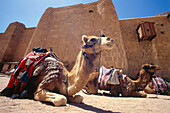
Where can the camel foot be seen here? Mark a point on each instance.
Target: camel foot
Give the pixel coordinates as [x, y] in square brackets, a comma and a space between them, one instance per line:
[76, 98]
[138, 94]
[143, 94]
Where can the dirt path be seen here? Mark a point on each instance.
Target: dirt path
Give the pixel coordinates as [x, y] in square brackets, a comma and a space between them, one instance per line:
[91, 103]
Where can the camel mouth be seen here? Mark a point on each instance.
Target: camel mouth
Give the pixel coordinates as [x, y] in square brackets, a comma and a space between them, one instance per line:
[158, 68]
[109, 45]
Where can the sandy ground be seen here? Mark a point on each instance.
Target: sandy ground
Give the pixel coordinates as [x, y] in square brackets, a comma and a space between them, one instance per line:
[91, 103]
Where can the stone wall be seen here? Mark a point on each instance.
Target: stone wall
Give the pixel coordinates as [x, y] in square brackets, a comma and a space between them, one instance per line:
[62, 29]
[155, 51]
[1, 35]
[14, 42]
[8, 42]
[3, 43]
[23, 44]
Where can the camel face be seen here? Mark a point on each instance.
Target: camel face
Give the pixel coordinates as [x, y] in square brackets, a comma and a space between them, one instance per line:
[151, 68]
[94, 44]
[106, 43]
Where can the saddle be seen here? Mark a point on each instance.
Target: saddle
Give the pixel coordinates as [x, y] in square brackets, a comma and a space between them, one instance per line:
[110, 76]
[21, 79]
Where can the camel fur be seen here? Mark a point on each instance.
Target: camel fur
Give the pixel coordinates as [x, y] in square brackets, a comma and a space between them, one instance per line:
[59, 92]
[127, 87]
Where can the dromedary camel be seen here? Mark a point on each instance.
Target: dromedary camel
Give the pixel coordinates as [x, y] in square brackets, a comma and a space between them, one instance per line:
[56, 85]
[127, 87]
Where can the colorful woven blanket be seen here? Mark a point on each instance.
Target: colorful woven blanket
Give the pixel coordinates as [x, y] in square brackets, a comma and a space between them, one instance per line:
[158, 84]
[109, 76]
[24, 70]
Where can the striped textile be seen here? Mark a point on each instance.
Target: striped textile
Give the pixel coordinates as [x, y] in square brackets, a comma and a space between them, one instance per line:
[110, 76]
[159, 85]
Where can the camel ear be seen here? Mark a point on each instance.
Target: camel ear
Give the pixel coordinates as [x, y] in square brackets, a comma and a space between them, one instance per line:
[84, 38]
[146, 66]
[102, 35]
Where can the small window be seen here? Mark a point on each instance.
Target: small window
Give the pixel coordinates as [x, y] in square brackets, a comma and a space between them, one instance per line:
[162, 32]
[90, 11]
[146, 31]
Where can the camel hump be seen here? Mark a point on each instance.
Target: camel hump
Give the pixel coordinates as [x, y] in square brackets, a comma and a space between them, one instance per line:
[52, 70]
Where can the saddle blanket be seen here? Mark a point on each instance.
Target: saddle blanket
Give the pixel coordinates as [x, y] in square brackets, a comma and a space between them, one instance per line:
[24, 71]
[158, 84]
[20, 84]
[109, 76]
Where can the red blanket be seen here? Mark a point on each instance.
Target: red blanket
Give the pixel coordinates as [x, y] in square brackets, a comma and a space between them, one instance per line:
[25, 69]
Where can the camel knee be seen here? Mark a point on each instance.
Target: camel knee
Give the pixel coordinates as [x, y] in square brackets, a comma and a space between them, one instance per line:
[138, 94]
[76, 99]
[47, 96]
[143, 94]
[58, 101]
[38, 97]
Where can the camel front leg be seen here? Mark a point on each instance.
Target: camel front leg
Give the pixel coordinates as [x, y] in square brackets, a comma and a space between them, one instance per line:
[138, 94]
[47, 96]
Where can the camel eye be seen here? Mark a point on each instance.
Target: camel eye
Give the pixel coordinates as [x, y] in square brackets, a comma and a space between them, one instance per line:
[93, 40]
[153, 67]
[108, 38]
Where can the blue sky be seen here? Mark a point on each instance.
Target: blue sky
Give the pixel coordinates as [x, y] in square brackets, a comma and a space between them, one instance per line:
[29, 12]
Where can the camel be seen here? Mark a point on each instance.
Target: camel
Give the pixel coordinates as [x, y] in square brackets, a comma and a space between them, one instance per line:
[57, 85]
[158, 85]
[127, 87]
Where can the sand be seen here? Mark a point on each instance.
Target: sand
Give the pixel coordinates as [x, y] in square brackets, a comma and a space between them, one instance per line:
[91, 104]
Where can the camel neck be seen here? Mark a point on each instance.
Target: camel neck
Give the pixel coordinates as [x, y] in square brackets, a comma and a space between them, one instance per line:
[143, 80]
[78, 77]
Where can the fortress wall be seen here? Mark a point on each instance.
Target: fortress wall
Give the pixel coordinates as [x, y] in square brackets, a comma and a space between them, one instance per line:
[62, 29]
[155, 51]
[4, 40]
[1, 35]
[2, 43]
[11, 39]
[23, 44]
[117, 56]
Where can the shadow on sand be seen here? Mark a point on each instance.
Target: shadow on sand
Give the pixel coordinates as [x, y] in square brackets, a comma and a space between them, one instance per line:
[91, 108]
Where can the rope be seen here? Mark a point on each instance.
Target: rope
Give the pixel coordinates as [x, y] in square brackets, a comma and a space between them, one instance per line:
[66, 83]
[99, 57]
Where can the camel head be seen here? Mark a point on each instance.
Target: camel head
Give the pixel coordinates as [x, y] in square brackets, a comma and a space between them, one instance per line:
[94, 44]
[150, 68]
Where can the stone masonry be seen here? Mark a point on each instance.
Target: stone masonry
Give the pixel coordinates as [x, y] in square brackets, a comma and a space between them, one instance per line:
[62, 29]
